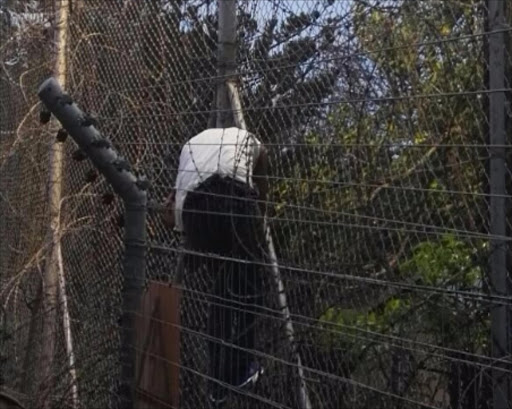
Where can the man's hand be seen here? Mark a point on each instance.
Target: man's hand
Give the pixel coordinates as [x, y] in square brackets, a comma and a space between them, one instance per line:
[168, 212]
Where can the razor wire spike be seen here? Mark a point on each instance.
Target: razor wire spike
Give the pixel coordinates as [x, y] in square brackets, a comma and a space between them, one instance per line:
[91, 176]
[121, 164]
[44, 116]
[101, 143]
[65, 99]
[79, 155]
[107, 198]
[143, 183]
[62, 135]
[89, 120]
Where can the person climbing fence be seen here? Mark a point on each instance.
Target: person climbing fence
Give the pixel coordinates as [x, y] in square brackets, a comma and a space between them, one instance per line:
[218, 204]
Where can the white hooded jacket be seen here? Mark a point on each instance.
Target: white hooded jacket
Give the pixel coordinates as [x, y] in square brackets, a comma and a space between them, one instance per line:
[227, 152]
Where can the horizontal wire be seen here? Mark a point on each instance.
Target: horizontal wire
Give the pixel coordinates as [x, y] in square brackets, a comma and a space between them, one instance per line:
[316, 328]
[385, 185]
[426, 229]
[494, 298]
[341, 184]
[316, 324]
[436, 230]
[316, 104]
[405, 46]
[268, 356]
[330, 59]
[397, 145]
[344, 326]
[348, 381]
[217, 381]
[311, 323]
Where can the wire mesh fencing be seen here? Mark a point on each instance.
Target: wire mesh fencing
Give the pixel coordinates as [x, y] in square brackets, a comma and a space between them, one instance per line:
[378, 117]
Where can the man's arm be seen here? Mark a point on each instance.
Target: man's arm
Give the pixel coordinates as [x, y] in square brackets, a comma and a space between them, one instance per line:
[260, 173]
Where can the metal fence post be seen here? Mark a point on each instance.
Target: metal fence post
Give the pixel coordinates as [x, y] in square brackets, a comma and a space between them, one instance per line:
[498, 229]
[305, 402]
[230, 111]
[117, 172]
[226, 60]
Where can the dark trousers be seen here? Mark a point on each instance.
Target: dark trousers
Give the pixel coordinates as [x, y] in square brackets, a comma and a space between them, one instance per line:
[221, 218]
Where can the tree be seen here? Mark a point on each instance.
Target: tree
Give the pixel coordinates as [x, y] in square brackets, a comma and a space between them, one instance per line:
[412, 128]
[374, 118]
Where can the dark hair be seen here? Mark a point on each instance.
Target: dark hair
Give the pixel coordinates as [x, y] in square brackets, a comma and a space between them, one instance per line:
[222, 216]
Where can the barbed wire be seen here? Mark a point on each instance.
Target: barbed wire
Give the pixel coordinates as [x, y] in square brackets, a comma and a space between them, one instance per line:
[375, 252]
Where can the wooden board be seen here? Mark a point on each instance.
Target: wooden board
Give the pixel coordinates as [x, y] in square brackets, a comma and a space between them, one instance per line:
[158, 335]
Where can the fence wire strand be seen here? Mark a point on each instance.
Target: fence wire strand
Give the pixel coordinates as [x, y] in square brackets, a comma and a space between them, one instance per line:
[376, 117]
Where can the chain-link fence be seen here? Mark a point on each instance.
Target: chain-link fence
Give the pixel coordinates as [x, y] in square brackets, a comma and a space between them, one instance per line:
[381, 118]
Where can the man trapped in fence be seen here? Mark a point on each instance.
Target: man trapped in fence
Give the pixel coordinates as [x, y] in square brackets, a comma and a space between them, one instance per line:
[218, 204]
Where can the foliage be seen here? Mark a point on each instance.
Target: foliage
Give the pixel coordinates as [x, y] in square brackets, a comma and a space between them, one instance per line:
[375, 121]
[409, 317]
